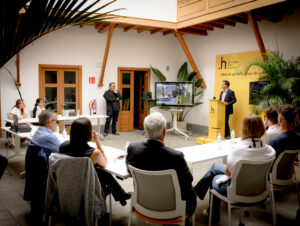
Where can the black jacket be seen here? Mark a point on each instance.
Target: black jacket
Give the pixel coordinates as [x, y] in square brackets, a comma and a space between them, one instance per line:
[230, 99]
[153, 155]
[111, 99]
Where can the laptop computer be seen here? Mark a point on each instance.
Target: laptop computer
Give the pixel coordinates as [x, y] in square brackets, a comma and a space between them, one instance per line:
[19, 128]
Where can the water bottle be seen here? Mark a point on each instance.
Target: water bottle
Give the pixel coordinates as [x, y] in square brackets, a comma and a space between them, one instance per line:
[232, 136]
[219, 141]
[64, 133]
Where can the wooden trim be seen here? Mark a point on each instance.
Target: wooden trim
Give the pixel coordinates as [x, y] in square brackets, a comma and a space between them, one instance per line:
[141, 29]
[203, 27]
[155, 30]
[109, 36]
[18, 69]
[98, 25]
[214, 24]
[225, 22]
[189, 56]
[129, 27]
[167, 32]
[104, 28]
[257, 34]
[198, 19]
[193, 31]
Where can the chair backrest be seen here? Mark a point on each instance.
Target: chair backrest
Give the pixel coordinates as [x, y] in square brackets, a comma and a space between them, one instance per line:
[157, 194]
[249, 183]
[283, 171]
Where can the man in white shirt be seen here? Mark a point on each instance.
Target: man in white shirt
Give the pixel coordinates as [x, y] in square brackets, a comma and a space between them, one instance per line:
[271, 124]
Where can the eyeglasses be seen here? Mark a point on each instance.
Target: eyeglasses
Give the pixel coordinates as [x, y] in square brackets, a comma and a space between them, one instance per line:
[57, 121]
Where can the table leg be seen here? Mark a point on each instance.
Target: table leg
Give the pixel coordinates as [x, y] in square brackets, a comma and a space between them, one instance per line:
[17, 140]
[98, 129]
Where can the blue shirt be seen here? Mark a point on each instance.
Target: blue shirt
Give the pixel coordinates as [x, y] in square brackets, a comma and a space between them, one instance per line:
[45, 138]
[285, 141]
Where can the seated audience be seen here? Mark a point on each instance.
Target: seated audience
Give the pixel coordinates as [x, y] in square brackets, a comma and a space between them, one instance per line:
[38, 107]
[3, 164]
[44, 137]
[19, 109]
[252, 147]
[153, 155]
[289, 138]
[297, 122]
[271, 124]
[81, 134]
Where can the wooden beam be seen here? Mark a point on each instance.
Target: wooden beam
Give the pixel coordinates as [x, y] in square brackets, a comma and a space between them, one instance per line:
[98, 25]
[236, 19]
[167, 32]
[18, 69]
[104, 28]
[203, 27]
[225, 22]
[109, 36]
[213, 24]
[155, 30]
[257, 34]
[141, 29]
[193, 31]
[189, 55]
[127, 28]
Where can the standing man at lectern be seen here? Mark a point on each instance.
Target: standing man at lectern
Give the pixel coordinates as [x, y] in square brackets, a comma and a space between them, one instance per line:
[228, 97]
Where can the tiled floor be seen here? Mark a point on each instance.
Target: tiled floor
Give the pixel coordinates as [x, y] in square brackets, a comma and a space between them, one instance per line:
[15, 211]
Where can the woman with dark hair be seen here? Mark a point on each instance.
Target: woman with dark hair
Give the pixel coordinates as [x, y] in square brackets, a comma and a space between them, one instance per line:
[81, 134]
[38, 107]
[252, 147]
[19, 109]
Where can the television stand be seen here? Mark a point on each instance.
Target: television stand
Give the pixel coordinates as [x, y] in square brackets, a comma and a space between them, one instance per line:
[175, 128]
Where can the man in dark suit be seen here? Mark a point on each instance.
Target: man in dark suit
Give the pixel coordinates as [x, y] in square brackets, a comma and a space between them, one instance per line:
[112, 97]
[228, 97]
[153, 155]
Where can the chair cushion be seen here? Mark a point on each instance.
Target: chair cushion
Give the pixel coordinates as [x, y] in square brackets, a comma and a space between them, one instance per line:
[158, 221]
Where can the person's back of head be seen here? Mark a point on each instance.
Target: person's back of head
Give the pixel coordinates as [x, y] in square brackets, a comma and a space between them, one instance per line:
[155, 126]
[286, 116]
[47, 118]
[252, 127]
[81, 132]
[271, 114]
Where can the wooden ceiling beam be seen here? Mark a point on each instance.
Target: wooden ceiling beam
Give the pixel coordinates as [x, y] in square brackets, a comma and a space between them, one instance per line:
[224, 22]
[242, 15]
[203, 27]
[129, 27]
[189, 56]
[109, 36]
[98, 25]
[271, 19]
[236, 19]
[213, 24]
[155, 30]
[193, 31]
[167, 32]
[104, 28]
[141, 29]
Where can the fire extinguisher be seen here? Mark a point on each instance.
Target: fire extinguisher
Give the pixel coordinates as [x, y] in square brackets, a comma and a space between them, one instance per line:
[93, 107]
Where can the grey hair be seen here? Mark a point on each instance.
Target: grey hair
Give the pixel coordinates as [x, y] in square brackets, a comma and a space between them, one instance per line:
[154, 125]
[45, 117]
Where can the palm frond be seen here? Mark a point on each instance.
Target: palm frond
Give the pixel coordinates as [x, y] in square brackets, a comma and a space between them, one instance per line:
[182, 73]
[158, 74]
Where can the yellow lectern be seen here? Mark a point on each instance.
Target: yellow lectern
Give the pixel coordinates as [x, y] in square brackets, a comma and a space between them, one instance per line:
[216, 123]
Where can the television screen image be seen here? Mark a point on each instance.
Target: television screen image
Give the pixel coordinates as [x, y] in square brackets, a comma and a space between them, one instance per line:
[174, 94]
[254, 89]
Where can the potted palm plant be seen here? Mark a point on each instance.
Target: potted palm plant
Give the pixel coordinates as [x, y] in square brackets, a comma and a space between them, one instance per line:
[284, 81]
[182, 76]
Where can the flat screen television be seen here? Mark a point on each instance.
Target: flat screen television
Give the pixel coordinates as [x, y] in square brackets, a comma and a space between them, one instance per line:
[254, 89]
[175, 94]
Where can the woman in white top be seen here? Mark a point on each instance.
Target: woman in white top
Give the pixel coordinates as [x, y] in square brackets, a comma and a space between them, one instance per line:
[252, 147]
[38, 107]
[271, 123]
[19, 109]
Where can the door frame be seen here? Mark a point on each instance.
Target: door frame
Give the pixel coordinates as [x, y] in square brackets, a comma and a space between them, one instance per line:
[61, 67]
[147, 70]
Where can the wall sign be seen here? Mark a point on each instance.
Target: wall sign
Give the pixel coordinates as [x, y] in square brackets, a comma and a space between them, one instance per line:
[92, 80]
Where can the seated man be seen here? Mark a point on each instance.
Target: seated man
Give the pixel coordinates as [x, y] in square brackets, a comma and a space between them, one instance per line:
[288, 139]
[44, 136]
[297, 122]
[153, 155]
[3, 164]
[271, 124]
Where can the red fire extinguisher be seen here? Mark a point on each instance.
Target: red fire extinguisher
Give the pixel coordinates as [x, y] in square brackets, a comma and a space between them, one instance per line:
[93, 107]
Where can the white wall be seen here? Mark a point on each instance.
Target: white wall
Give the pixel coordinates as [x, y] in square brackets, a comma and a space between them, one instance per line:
[75, 46]
[285, 34]
[165, 10]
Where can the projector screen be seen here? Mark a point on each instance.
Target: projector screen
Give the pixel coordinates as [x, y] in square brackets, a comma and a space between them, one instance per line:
[176, 94]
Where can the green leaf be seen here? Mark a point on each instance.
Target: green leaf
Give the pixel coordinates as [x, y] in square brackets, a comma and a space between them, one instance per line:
[158, 74]
[198, 83]
[182, 73]
[191, 76]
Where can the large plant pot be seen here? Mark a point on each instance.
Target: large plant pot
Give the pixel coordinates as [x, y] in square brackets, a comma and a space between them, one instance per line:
[180, 125]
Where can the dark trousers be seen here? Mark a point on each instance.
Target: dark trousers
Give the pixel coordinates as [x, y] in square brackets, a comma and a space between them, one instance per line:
[110, 185]
[227, 129]
[3, 164]
[209, 181]
[112, 115]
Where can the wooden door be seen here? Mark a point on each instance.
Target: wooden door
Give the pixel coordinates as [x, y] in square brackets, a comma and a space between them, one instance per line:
[143, 106]
[126, 89]
[60, 87]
